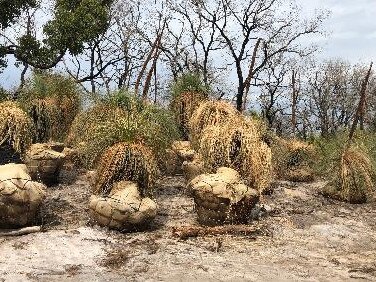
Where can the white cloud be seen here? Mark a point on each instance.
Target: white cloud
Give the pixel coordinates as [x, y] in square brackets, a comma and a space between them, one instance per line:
[352, 28]
[371, 35]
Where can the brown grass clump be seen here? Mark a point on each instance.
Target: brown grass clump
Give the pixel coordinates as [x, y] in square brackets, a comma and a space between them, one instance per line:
[126, 161]
[237, 144]
[121, 117]
[15, 127]
[183, 106]
[210, 113]
[354, 180]
[52, 101]
[293, 160]
[52, 117]
[83, 134]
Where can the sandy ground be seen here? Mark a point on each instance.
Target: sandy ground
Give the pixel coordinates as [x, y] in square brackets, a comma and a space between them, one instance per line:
[309, 238]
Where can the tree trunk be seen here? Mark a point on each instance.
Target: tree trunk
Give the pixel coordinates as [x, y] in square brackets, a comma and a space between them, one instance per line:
[247, 82]
[239, 97]
[359, 114]
[294, 102]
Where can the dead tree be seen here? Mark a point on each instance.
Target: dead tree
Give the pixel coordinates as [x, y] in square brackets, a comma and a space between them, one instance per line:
[252, 21]
[294, 102]
[359, 114]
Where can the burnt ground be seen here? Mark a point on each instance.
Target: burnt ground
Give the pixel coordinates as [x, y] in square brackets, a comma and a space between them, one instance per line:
[307, 238]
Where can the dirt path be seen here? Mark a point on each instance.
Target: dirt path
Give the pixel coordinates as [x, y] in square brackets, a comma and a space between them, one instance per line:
[311, 239]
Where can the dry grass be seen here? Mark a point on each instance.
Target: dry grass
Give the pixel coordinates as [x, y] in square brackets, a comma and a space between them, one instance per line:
[126, 161]
[122, 118]
[183, 106]
[52, 101]
[293, 160]
[236, 143]
[15, 127]
[52, 117]
[209, 113]
[86, 128]
[354, 181]
[86, 121]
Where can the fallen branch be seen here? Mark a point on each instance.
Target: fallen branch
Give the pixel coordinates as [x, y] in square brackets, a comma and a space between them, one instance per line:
[22, 231]
[185, 232]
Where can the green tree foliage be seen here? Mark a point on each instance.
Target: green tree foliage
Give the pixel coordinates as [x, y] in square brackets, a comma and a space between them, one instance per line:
[189, 82]
[11, 9]
[74, 23]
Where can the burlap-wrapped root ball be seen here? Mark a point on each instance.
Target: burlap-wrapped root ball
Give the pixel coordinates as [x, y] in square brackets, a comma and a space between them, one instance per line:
[180, 152]
[20, 198]
[44, 163]
[123, 208]
[237, 144]
[222, 197]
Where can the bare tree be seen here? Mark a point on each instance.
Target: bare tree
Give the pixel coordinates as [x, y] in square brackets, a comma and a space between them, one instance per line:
[273, 86]
[332, 92]
[359, 114]
[294, 98]
[119, 58]
[204, 36]
[244, 24]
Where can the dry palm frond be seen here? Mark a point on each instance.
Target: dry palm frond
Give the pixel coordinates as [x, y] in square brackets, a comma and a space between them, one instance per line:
[52, 101]
[237, 144]
[257, 166]
[102, 126]
[91, 132]
[42, 115]
[126, 161]
[15, 127]
[355, 177]
[85, 122]
[207, 114]
[69, 107]
[183, 106]
[52, 117]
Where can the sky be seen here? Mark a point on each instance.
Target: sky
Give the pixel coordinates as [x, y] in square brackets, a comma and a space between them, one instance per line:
[351, 33]
[351, 28]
